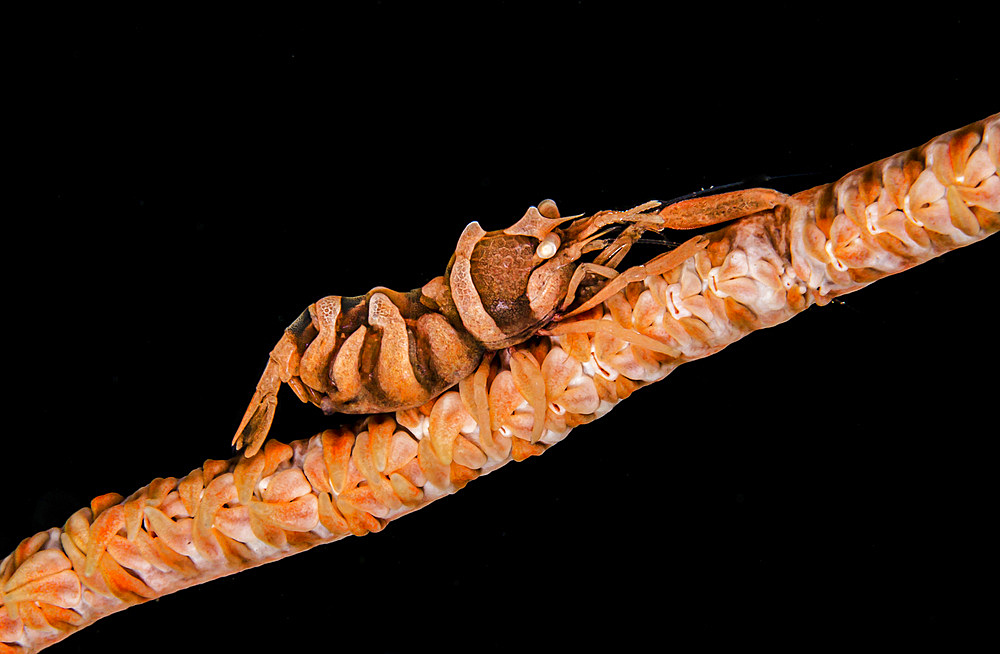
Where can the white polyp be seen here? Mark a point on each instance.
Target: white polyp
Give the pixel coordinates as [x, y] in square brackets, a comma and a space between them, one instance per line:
[906, 211]
[675, 303]
[594, 366]
[609, 374]
[713, 283]
[837, 263]
[871, 214]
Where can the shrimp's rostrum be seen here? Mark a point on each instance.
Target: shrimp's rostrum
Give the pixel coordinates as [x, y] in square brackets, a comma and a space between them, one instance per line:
[529, 332]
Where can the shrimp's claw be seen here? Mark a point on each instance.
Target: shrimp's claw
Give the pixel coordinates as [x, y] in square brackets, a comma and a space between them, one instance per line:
[720, 208]
[282, 368]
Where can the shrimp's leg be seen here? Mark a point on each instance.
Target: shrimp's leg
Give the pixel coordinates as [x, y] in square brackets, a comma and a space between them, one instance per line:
[581, 271]
[657, 265]
[282, 367]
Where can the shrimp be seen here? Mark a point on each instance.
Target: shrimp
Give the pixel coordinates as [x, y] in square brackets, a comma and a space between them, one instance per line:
[451, 421]
[386, 351]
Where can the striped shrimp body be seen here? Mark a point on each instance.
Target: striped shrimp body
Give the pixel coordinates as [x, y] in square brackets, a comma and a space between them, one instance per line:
[591, 347]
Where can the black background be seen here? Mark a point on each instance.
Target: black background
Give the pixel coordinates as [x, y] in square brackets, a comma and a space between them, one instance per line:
[196, 181]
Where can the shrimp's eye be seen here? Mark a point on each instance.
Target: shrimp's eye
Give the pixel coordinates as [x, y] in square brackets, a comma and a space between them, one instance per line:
[548, 247]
